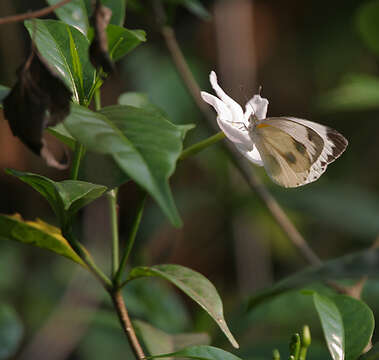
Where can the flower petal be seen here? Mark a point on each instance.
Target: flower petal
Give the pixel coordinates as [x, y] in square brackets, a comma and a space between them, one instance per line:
[258, 106]
[223, 111]
[232, 105]
[236, 133]
[252, 155]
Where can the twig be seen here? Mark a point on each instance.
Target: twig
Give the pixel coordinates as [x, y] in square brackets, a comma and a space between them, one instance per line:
[32, 14]
[126, 324]
[244, 168]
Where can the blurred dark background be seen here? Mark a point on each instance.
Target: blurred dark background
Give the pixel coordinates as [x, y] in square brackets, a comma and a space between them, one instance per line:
[314, 60]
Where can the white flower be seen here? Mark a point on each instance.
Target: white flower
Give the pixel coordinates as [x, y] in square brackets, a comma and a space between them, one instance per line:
[233, 121]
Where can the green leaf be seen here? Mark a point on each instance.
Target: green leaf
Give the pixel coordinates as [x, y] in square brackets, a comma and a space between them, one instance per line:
[332, 325]
[358, 321]
[4, 91]
[118, 10]
[195, 285]
[65, 197]
[61, 133]
[121, 41]
[139, 100]
[202, 352]
[11, 331]
[66, 50]
[373, 354]
[159, 342]
[73, 13]
[37, 233]
[357, 92]
[144, 144]
[348, 266]
[368, 24]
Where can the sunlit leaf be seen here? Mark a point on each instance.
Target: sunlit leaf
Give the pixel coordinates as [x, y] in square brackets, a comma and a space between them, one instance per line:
[11, 331]
[159, 342]
[358, 321]
[332, 325]
[121, 41]
[195, 285]
[356, 92]
[37, 233]
[144, 144]
[73, 13]
[66, 49]
[201, 352]
[65, 197]
[373, 354]
[348, 266]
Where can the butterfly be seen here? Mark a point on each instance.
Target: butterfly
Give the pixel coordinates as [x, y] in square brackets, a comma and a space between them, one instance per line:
[293, 151]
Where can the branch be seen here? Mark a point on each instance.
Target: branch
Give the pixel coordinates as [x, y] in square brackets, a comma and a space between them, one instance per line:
[126, 324]
[240, 163]
[32, 14]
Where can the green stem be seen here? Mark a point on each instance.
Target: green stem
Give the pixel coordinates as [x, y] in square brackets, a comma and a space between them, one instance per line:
[97, 98]
[78, 154]
[194, 149]
[131, 239]
[87, 258]
[112, 201]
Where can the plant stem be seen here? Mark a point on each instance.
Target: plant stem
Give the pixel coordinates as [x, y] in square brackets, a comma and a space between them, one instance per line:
[97, 98]
[130, 243]
[78, 154]
[87, 258]
[126, 324]
[112, 201]
[194, 149]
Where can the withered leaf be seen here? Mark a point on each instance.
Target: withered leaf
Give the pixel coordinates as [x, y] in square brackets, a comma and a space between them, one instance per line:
[98, 50]
[38, 99]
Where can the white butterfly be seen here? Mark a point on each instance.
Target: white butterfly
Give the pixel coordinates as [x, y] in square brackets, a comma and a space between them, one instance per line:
[293, 151]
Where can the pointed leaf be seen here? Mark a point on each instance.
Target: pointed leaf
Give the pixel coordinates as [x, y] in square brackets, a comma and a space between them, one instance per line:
[144, 144]
[73, 13]
[159, 342]
[65, 197]
[348, 266]
[373, 354]
[358, 321]
[195, 285]
[332, 325]
[66, 50]
[121, 41]
[37, 233]
[202, 352]
[11, 330]
[4, 91]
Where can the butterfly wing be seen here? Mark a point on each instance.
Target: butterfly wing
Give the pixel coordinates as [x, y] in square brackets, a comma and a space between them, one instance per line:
[295, 151]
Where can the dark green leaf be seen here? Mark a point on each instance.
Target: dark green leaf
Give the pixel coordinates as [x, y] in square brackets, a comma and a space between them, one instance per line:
[4, 91]
[121, 40]
[202, 352]
[73, 13]
[356, 92]
[368, 24]
[159, 342]
[139, 100]
[65, 197]
[373, 354]
[11, 330]
[349, 266]
[66, 50]
[118, 10]
[358, 321]
[61, 133]
[332, 325]
[194, 6]
[143, 143]
[195, 285]
[37, 233]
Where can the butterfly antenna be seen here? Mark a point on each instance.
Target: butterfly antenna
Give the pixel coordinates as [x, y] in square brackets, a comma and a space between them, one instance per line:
[260, 89]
